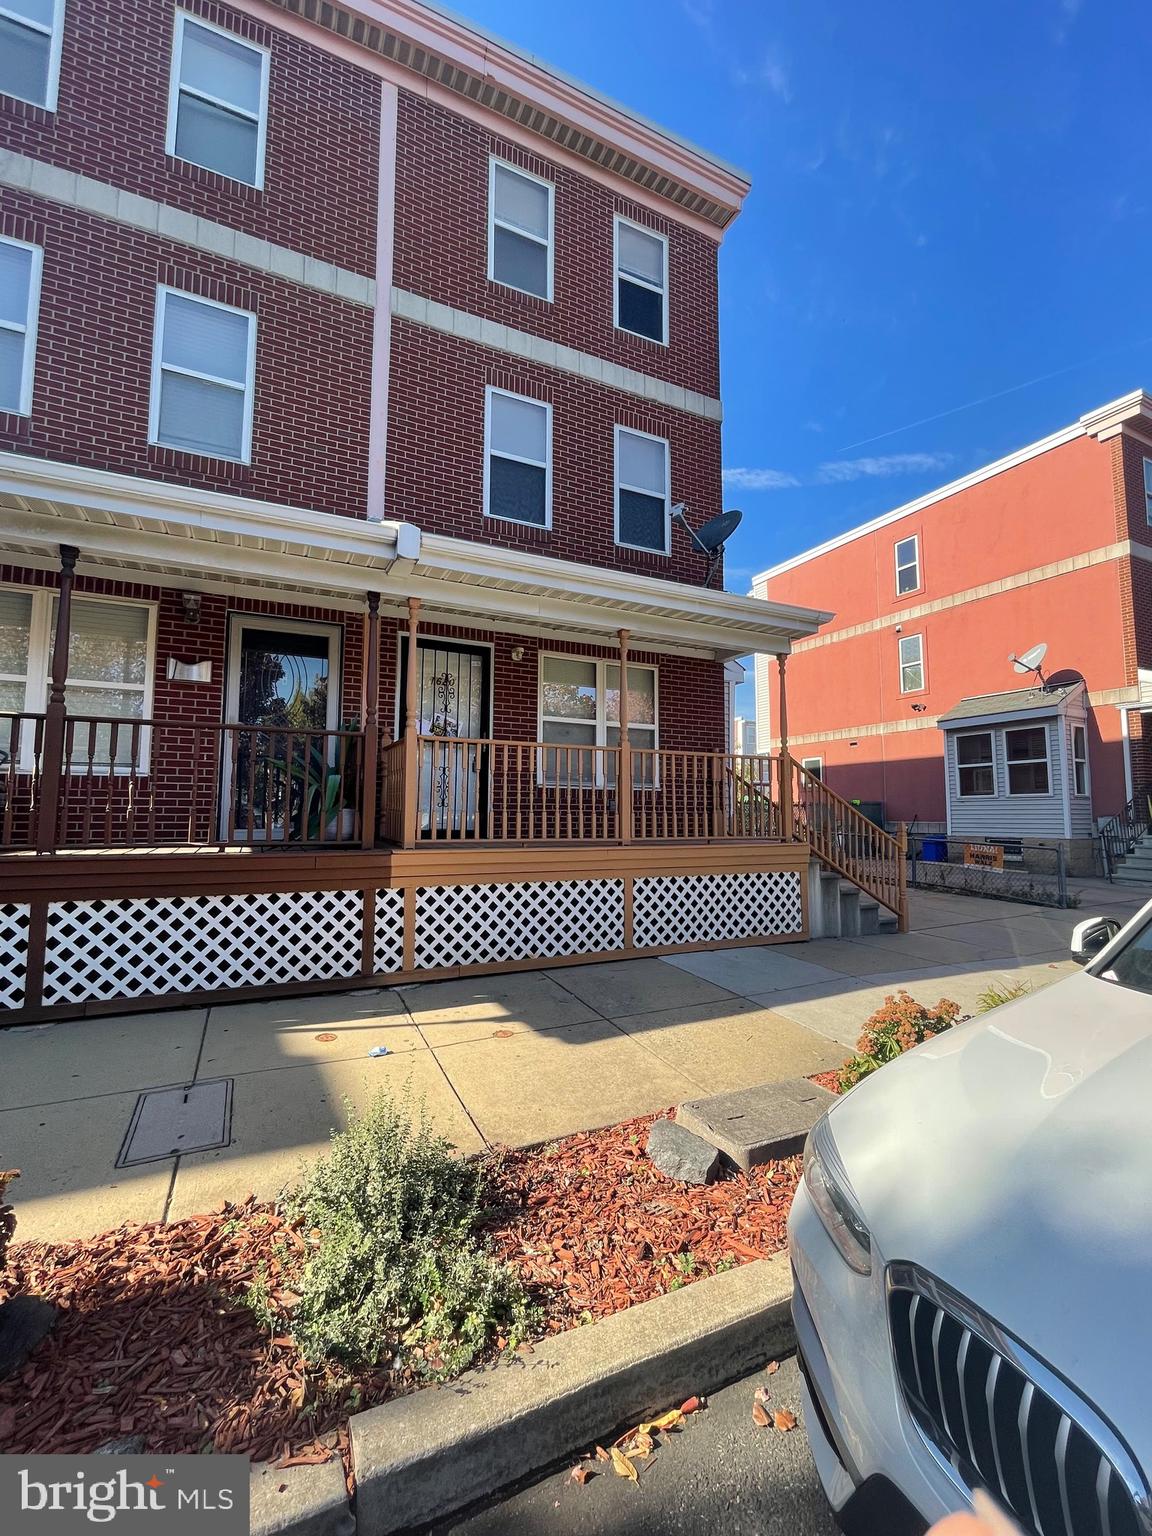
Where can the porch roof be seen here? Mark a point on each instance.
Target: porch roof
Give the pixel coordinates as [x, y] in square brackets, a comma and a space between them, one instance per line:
[149, 531]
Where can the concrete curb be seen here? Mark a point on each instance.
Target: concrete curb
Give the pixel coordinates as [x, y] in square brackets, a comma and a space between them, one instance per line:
[314, 1501]
[424, 1457]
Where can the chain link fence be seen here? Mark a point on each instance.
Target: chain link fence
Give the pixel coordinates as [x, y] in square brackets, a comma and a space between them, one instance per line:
[1037, 875]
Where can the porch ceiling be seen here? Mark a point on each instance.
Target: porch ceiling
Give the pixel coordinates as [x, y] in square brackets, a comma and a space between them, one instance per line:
[205, 540]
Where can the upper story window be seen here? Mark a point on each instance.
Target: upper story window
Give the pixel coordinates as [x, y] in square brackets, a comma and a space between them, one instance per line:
[975, 765]
[1027, 752]
[643, 491]
[30, 35]
[518, 459]
[911, 663]
[203, 359]
[1148, 490]
[641, 281]
[218, 105]
[908, 565]
[19, 305]
[520, 220]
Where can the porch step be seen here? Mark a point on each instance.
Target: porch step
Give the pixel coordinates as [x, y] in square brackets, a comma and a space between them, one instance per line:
[841, 910]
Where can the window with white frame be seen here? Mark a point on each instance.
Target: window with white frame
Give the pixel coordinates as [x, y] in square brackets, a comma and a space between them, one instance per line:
[974, 764]
[813, 766]
[202, 376]
[20, 266]
[111, 656]
[1080, 758]
[907, 564]
[641, 281]
[518, 459]
[520, 220]
[911, 663]
[1026, 749]
[30, 37]
[1148, 490]
[580, 711]
[643, 491]
[218, 101]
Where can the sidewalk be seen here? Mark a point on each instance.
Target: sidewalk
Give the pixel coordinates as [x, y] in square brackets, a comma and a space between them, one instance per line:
[511, 1059]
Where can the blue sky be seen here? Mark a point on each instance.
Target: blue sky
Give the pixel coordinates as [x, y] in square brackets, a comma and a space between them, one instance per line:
[944, 255]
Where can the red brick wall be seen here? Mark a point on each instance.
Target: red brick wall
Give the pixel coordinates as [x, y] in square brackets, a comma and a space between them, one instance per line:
[442, 250]
[436, 454]
[322, 153]
[94, 358]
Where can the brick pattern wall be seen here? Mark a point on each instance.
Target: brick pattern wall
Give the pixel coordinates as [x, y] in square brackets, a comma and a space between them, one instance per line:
[323, 138]
[436, 455]
[94, 359]
[441, 250]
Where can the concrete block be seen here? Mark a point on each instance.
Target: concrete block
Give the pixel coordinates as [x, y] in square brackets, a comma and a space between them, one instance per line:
[15, 170]
[289, 264]
[314, 1501]
[756, 1125]
[96, 197]
[140, 212]
[175, 224]
[681, 1154]
[424, 1456]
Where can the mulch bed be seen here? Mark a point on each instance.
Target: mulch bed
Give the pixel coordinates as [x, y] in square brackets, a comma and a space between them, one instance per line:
[154, 1337]
[829, 1080]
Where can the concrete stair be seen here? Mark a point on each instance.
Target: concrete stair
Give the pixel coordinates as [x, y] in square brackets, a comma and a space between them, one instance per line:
[1136, 867]
[840, 910]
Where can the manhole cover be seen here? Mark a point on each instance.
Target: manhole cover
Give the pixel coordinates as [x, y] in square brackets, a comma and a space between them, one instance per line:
[171, 1120]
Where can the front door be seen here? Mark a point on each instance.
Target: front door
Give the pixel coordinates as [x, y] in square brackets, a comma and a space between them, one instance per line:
[284, 679]
[453, 689]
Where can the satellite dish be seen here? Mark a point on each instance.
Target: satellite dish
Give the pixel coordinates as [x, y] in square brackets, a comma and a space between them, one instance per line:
[718, 530]
[1030, 660]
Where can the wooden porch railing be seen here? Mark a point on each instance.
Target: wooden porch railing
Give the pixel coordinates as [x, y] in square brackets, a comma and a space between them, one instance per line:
[848, 842]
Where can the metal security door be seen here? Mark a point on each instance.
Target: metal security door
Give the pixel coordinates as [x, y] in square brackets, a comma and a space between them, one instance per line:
[453, 690]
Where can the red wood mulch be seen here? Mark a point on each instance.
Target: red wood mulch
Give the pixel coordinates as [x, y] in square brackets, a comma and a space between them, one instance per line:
[829, 1080]
[154, 1338]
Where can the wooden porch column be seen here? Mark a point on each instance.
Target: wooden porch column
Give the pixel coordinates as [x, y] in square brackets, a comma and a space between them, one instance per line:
[55, 716]
[785, 759]
[624, 797]
[371, 720]
[411, 728]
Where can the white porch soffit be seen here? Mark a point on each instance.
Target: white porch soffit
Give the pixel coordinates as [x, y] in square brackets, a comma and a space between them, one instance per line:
[128, 528]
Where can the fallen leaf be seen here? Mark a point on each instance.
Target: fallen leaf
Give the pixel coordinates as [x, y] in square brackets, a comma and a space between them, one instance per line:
[502, 1034]
[760, 1416]
[580, 1475]
[622, 1466]
[602, 1454]
[772, 1367]
[667, 1420]
[762, 1395]
[644, 1441]
[785, 1421]
[691, 1406]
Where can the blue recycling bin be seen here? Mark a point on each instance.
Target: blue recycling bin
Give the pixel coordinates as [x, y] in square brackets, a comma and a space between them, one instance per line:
[934, 850]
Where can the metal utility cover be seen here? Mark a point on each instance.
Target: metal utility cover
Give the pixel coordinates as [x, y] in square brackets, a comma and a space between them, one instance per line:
[167, 1121]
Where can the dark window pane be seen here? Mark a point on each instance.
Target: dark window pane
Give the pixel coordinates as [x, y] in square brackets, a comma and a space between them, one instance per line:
[1031, 742]
[23, 62]
[641, 310]
[642, 520]
[516, 491]
[1027, 778]
[520, 263]
[974, 749]
[976, 781]
[908, 579]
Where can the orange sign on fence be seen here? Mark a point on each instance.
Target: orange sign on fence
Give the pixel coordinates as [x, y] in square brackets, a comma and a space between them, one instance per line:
[984, 855]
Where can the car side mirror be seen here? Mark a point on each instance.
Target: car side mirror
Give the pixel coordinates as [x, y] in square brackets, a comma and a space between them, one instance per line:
[1091, 936]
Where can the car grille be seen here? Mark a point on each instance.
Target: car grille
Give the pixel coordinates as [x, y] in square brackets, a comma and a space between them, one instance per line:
[1005, 1422]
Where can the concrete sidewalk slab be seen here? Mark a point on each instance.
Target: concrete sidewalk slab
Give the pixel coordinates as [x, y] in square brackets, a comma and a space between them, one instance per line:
[449, 1012]
[532, 1088]
[622, 987]
[731, 1045]
[69, 1185]
[921, 949]
[285, 1117]
[854, 958]
[254, 1037]
[756, 968]
[83, 1057]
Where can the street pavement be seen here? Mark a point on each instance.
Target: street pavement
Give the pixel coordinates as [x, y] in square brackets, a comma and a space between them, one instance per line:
[721, 1474]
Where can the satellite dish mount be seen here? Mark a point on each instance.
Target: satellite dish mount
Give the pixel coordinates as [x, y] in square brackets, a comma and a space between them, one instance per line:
[711, 539]
[1030, 661]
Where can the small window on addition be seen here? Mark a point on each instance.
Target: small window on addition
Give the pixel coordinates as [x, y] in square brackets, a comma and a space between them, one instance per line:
[908, 565]
[1027, 752]
[974, 762]
[1080, 757]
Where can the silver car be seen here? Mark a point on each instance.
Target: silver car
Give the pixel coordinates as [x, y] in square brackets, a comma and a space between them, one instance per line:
[972, 1254]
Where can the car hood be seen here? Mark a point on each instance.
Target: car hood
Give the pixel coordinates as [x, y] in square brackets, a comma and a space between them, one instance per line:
[1012, 1157]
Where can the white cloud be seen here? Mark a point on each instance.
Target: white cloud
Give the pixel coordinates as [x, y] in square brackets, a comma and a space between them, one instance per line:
[881, 467]
[760, 479]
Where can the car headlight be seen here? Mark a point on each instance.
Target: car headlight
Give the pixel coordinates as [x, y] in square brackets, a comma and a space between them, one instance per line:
[831, 1194]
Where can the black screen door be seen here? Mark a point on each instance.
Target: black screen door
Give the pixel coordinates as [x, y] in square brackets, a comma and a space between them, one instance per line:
[453, 691]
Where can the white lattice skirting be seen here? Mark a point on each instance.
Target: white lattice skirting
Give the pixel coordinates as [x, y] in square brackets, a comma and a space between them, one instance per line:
[704, 909]
[536, 919]
[148, 946]
[13, 954]
[388, 948]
